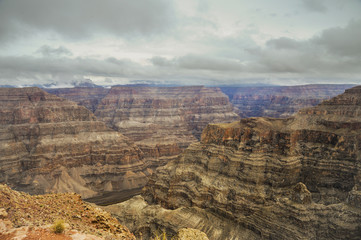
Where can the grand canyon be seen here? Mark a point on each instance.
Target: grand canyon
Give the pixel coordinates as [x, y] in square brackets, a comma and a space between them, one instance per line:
[177, 158]
[180, 120]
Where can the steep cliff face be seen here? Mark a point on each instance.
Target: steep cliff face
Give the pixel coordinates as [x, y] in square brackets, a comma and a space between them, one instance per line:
[49, 144]
[282, 101]
[263, 178]
[163, 120]
[88, 97]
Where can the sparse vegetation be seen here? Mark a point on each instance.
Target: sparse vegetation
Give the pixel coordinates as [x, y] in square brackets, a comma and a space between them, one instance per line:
[58, 227]
[160, 236]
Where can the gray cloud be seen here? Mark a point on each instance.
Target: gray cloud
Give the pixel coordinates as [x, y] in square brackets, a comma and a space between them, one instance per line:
[194, 62]
[83, 18]
[342, 41]
[48, 51]
[44, 70]
[314, 5]
[333, 51]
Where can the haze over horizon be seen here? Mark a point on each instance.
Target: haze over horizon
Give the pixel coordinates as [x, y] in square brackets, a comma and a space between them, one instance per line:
[184, 42]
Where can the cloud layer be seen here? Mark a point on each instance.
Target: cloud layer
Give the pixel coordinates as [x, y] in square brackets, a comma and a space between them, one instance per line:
[182, 42]
[83, 18]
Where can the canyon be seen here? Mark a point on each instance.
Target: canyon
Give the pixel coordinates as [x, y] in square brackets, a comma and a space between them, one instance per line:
[162, 121]
[203, 166]
[262, 178]
[49, 144]
[280, 101]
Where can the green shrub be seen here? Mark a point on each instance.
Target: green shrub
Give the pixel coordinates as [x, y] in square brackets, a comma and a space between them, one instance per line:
[58, 227]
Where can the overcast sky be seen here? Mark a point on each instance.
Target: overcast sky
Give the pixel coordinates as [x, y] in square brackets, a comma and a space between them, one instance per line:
[187, 42]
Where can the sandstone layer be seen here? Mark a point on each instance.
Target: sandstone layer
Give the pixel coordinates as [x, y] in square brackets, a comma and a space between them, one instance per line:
[164, 120]
[49, 144]
[88, 97]
[279, 101]
[263, 178]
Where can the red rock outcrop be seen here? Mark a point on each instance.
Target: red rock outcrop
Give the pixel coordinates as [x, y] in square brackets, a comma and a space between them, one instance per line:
[49, 144]
[265, 178]
[280, 101]
[163, 120]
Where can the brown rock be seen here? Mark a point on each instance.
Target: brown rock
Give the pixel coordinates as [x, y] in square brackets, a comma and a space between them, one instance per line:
[33, 216]
[163, 121]
[49, 144]
[85, 96]
[244, 174]
[300, 194]
[280, 101]
[190, 234]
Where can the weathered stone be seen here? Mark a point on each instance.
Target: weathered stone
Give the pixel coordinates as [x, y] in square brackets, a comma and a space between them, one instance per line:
[163, 121]
[280, 101]
[190, 234]
[246, 174]
[300, 194]
[49, 144]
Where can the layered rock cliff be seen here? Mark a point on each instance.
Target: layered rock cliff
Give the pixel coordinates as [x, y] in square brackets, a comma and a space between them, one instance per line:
[263, 178]
[49, 144]
[163, 120]
[280, 101]
[88, 97]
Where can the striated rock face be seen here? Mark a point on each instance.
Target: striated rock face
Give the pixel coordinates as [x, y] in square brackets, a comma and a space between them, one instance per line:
[280, 101]
[88, 97]
[49, 144]
[164, 120]
[264, 178]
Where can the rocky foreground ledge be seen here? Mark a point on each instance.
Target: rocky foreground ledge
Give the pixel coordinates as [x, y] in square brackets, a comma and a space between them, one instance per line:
[23, 215]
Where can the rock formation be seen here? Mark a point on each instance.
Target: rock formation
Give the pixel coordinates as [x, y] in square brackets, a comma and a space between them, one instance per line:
[263, 178]
[49, 144]
[279, 101]
[30, 217]
[163, 120]
[88, 97]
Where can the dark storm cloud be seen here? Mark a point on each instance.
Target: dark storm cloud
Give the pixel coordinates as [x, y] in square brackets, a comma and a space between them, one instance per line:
[314, 5]
[83, 18]
[48, 51]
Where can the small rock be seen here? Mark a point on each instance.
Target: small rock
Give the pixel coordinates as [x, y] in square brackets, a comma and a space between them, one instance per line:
[3, 213]
[300, 194]
[190, 234]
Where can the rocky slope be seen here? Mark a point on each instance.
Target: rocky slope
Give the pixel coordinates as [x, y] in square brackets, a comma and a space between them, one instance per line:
[263, 178]
[163, 120]
[22, 215]
[49, 144]
[280, 101]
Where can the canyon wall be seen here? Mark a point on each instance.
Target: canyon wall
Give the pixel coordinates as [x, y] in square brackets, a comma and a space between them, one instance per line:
[280, 101]
[163, 120]
[88, 97]
[49, 144]
[263, 178]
